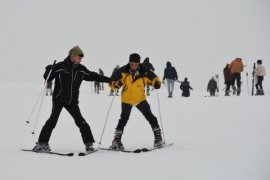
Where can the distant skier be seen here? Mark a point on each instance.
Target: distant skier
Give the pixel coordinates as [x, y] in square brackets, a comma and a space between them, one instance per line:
[101, 85]
[68, 76]
[185, 87]
[49, 88]
[227, 79]
[133, 77]
[212, 87]
[170, 74]
[236, 68]
[259, 73]
[117, 90]
[147, 65]
[97, 87]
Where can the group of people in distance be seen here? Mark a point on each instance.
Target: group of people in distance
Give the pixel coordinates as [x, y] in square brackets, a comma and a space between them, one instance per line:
[232, 74]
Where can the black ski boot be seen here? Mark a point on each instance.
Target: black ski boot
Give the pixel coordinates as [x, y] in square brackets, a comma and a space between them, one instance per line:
[89, 147]
[259, 92]
[158, 138]
[42, 147]
[227, 93]
[117, 143]
[238, 91]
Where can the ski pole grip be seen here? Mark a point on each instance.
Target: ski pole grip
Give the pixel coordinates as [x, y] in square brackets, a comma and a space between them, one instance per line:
[54, 62]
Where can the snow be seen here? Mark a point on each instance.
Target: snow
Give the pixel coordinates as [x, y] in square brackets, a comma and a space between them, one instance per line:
[215, 138]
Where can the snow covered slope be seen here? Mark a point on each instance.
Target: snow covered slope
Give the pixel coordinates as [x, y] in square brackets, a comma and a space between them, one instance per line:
[215, 138]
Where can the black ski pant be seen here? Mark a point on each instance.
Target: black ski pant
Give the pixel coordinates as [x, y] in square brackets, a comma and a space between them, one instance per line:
[74, 111]
[228, 85]
[212, 93]
[236, 77]
[144, 107]
[259, 82]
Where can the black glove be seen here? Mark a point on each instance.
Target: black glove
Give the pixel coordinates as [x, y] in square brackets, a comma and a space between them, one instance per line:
[157, 85]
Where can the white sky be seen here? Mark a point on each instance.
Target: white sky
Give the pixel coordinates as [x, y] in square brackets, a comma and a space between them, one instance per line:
[198, 36]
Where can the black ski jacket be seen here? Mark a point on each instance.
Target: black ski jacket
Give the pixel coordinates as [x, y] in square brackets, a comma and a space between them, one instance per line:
[68, 78]
[170, 72]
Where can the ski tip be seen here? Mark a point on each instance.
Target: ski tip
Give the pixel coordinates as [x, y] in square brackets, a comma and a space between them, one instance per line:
[70, 154]
[82, 154]
[137, 151]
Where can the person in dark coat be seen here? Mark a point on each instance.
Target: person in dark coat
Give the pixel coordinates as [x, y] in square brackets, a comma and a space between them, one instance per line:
[227, 79]
[170, 74]
[212, 86]
[185, 87]
[117, 90]
[97, 87]
[49, 88]
[147, 65]
[101, 85]
[68, 76]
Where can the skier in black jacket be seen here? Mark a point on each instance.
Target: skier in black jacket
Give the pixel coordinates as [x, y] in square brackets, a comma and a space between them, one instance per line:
[212, 87]
[68, 76]
[149, 66]
[171, 76]
[185, 87]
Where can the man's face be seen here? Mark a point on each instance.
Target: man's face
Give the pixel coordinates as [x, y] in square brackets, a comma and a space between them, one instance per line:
[133, 66]
[76, 59]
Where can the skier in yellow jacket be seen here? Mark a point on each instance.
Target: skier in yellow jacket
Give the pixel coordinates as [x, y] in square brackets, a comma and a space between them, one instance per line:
[133, 78]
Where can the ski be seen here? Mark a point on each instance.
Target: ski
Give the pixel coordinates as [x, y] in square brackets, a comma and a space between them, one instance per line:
[51, 152]
[125, 151]
[139, 150]
[155, 148]
[87, 153]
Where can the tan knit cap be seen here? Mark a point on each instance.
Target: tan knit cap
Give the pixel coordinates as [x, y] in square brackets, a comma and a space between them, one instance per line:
[76, 51]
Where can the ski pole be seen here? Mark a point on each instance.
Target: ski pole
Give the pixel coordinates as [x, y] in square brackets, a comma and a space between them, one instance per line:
[107, 116]
[160, 117]
[42, 95]
[33, 109]
[41, 92]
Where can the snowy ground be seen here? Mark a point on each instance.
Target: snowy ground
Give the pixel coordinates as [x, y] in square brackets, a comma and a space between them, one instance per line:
[215, 138]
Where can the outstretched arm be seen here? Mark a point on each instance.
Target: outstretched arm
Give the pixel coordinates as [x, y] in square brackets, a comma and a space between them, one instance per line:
[93, 76]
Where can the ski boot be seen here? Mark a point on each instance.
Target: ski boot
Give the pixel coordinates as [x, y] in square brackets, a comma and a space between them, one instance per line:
[89, 147]
[158, 138]
[259, 92]
[117, 143]
[238, 91]
[42, 147]
[227, 93]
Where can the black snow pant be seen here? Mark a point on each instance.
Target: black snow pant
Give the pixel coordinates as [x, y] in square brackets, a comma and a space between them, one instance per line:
[236, 77]
[259, 82]
[144, 107]
[228, 85]
[74, 111]
[212, 93]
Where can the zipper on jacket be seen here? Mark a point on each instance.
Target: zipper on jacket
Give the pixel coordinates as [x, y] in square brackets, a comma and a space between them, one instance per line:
[71, 86]
[59, 93]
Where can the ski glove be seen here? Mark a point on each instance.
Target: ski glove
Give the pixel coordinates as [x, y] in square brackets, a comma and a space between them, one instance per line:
[116, 84]
[157, 85]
